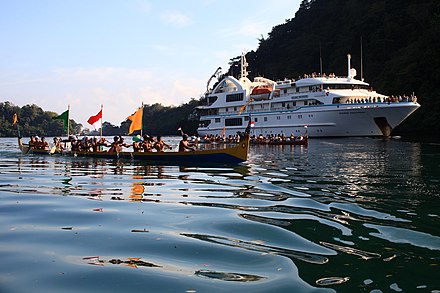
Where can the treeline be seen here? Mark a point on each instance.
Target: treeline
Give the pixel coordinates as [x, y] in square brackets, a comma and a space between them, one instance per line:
[400, 41]
[157, 120]
[32, 120]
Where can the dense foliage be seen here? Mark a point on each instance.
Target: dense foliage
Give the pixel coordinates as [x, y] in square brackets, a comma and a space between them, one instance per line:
[400, 41]
[157, 120]
[32, 120]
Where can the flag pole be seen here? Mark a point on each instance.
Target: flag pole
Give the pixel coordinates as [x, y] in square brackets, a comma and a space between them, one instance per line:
[142, 126]
[68, 122]
[101, 121]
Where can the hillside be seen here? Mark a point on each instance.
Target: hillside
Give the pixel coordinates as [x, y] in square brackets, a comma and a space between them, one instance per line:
[400, 41]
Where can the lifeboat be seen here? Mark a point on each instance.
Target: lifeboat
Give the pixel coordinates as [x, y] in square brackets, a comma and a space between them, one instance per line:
[261, 92]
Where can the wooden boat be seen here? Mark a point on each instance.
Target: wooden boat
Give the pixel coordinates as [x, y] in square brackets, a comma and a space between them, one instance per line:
[304, 141]
[228, 155]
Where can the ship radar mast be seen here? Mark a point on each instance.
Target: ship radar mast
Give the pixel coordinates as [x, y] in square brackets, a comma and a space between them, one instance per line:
[243, 72]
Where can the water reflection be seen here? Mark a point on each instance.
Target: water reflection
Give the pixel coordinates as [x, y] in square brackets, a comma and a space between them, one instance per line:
[261, 247]
[133, 262]
[235, 277]
[339, 214]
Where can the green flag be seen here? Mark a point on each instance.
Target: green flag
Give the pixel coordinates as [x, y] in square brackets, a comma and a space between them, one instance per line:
[65, 117]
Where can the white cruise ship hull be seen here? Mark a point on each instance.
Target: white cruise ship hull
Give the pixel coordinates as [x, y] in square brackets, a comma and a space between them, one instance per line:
[335, 120]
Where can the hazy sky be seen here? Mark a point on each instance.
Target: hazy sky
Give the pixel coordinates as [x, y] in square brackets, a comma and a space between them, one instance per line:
[121, 53]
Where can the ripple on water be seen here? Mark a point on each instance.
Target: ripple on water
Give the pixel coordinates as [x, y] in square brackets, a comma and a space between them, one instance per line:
[288, 221]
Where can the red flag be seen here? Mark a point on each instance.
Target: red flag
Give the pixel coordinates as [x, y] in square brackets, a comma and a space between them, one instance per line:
[93, 119]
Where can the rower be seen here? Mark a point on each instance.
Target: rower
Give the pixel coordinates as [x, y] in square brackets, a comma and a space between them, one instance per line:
[184, 145]
[160, 144]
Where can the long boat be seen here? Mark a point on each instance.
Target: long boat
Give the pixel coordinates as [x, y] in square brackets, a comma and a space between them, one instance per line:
[228, 155]
[304, 142]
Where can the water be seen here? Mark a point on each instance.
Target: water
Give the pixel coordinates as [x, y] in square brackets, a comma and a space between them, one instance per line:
[343, 215]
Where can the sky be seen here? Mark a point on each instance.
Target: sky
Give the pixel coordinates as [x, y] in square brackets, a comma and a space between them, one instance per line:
[122, 53]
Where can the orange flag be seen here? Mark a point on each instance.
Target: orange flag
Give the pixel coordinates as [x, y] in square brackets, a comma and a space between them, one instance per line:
[242, 108]
[14, 119]
[136, 121]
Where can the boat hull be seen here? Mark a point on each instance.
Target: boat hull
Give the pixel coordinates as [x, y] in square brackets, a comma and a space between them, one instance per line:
[229, 155]
[336, 120]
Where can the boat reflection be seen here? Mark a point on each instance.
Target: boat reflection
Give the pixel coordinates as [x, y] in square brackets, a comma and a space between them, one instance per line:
[133, 262]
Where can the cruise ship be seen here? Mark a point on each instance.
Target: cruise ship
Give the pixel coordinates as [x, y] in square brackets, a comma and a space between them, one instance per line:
[321, 105]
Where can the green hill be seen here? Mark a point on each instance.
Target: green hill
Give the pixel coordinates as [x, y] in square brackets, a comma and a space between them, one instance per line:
[400, 41]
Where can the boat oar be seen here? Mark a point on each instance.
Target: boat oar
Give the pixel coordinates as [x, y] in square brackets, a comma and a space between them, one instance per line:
[53, 150]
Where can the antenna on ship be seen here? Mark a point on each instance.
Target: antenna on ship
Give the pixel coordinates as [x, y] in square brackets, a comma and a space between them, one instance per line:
[243, 67]
[348, 63]
[320, 59]
[362, 66]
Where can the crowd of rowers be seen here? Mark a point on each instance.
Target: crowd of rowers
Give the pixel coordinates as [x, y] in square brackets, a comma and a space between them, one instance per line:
[146, 143]
[253, 139]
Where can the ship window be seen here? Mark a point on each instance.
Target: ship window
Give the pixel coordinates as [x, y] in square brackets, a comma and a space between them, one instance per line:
[234, 97]
[211, 100]
[233, 122]
[283, 104]
[217, 120]
[285, 91]
[204, 123]
[256, 119]
[246, 118]
[265, 119]
[289, 117]
[300, 116]
[226, 110]
[278, 118]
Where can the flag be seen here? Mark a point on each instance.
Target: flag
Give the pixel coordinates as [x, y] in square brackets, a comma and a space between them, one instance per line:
[93, 119]
[242, 109]
[65, 117]
[136, 121]
[14, 119]
[249, 126]
[244, 106]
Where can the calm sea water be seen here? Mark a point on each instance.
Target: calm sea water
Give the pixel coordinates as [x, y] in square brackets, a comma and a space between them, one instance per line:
[343, 215]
